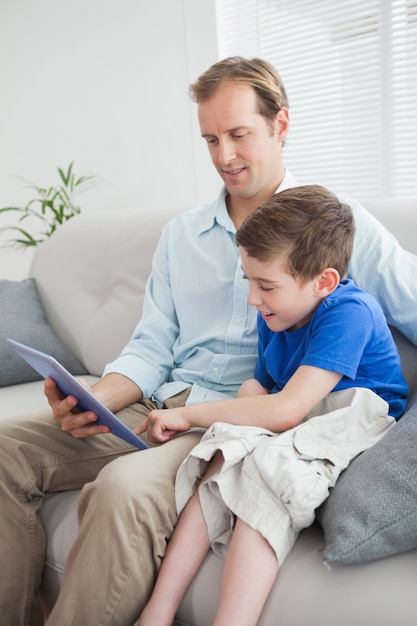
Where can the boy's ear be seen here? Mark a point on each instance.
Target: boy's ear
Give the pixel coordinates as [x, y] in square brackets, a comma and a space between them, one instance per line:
[326, 282]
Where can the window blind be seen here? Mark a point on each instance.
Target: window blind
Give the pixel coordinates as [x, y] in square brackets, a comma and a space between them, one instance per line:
[350, 70]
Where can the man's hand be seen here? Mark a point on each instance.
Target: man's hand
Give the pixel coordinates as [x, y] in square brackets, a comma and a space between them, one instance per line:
[164, 424]
[64, 411]
[115, 391]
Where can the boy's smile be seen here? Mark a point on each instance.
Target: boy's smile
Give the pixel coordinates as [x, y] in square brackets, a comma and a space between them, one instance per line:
[283, 302]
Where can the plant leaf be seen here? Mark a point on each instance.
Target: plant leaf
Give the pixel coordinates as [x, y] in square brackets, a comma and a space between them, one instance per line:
[65, 177]
[11, 208]
[28, 240]
[52, 205]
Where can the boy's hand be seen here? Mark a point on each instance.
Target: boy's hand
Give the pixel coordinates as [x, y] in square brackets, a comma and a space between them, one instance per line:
[164, 424]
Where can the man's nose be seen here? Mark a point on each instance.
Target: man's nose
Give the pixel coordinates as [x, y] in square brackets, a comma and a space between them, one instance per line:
[227, 152]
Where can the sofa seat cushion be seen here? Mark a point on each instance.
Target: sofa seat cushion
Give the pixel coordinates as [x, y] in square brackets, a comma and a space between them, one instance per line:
[27, 398]
[307, 592]
[303, 575]
[319, 586]
[58, 515]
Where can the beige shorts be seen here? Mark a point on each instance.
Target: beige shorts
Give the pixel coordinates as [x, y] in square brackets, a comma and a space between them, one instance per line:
[274, 482]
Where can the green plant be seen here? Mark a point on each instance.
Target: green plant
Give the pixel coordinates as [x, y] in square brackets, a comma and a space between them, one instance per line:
[51, 206]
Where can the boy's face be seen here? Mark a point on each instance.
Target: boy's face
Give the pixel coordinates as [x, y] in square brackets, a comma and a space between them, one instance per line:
[283, 302]
[244, 149]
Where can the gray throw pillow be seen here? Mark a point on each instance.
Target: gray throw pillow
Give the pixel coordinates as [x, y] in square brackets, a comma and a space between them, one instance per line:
[371, 512]
[22, 318]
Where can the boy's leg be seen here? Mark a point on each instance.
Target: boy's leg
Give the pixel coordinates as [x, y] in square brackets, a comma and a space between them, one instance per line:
[186, 550]
[243, 595]
[37, 456]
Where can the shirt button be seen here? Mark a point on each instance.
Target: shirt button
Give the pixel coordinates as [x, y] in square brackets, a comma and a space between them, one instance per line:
[238, 321]
[215, 370]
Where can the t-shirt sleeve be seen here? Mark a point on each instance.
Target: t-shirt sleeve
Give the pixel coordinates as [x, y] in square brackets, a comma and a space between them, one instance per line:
[261, 372]
[338, 337]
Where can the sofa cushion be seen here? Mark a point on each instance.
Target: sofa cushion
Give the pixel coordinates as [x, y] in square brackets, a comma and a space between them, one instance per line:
[371, 512]
[23, 319]
[107, 275]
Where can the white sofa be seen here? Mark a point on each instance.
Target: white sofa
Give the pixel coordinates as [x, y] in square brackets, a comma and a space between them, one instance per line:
[90, 276]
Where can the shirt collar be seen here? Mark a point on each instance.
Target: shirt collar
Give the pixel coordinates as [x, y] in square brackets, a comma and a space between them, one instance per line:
[218, 213]
[287, 182]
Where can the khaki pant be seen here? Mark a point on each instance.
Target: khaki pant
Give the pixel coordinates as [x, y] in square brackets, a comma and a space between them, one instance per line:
[126, 514]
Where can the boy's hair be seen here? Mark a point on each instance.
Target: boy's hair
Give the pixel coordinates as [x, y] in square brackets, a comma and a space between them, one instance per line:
[257, 73]
[308, 224]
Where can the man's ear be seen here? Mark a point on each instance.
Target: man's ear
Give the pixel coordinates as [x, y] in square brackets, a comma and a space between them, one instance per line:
[283, 123]
[326, 282]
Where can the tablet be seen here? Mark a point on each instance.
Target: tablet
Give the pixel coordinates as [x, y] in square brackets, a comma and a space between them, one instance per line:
[47, 365]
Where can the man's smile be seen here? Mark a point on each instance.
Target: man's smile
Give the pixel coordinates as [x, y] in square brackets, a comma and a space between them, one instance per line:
[235, 172]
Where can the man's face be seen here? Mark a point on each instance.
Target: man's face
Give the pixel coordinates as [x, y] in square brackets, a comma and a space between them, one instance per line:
[244, 148]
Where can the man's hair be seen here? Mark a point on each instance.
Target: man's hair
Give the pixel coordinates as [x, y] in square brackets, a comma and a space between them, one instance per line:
[308, 225]
[257, 73]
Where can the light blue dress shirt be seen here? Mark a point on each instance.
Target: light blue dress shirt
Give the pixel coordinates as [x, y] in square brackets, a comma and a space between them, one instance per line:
[379, 265]
[197, 328]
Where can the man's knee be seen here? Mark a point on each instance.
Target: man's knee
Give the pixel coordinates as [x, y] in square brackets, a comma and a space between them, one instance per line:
[144, 480]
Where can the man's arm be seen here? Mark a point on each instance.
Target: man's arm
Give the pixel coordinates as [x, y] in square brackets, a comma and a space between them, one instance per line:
[381, 266]
[140, 368]
[114, 391]
[148, 358]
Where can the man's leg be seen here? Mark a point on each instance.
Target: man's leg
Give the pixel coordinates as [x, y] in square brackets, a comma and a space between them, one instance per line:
[186, 551]
[127, 516]
[36, 456]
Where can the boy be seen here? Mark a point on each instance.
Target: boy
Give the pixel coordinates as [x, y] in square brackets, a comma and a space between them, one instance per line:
[328, 384]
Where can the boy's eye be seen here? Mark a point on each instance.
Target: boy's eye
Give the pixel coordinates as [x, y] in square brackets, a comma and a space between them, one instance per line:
[260, 285]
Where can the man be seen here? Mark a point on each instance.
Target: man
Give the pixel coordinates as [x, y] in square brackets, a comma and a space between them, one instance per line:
[195, 343]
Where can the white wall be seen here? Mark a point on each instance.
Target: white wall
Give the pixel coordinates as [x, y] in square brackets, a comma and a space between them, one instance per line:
[104, 83]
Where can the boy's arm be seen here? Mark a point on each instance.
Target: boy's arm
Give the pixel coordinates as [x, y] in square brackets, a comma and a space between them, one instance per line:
[251, 387]
[275, 412]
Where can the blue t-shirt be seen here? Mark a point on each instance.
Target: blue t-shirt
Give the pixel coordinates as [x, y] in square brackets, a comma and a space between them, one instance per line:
[348, 334]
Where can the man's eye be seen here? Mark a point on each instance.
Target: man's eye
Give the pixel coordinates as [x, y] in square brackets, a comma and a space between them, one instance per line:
[263, 288]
